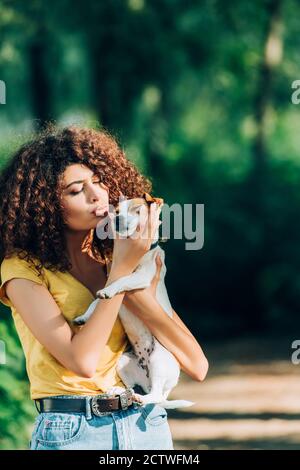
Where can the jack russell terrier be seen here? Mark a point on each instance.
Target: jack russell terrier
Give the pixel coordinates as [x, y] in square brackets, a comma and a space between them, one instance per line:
[148, 363]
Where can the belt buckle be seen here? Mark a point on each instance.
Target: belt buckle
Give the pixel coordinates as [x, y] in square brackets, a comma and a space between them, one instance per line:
[124, 399]
[94, 405]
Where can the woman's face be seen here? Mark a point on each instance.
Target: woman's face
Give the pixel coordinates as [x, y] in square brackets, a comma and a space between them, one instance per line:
[83, 193]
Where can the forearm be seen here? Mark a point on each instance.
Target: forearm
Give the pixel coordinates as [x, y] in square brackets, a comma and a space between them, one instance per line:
[89, 342]
[183, 345]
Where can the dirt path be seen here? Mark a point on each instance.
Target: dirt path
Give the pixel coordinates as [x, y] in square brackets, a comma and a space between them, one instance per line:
[249, 400]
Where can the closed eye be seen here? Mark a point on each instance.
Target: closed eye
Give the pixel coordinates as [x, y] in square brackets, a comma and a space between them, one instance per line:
[77, 192]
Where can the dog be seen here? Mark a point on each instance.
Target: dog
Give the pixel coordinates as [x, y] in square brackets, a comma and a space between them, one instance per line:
[148, 363]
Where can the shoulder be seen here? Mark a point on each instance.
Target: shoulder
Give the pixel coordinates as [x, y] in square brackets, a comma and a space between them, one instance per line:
[16, 264]
[16, 267]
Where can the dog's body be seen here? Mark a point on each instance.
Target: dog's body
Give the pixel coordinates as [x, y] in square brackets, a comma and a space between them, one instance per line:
[148, 364]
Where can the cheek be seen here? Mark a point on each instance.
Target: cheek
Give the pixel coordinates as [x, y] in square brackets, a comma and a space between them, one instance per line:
[104, 196]
[74, 211]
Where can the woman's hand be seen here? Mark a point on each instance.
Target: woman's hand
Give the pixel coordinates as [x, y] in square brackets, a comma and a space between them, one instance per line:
[152, 288]
[127, 252]
[133, 297]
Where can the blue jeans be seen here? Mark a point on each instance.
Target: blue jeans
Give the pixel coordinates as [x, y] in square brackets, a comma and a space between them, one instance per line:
[138, 427]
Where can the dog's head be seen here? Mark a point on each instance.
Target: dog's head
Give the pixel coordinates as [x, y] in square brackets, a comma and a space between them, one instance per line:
[128, 214]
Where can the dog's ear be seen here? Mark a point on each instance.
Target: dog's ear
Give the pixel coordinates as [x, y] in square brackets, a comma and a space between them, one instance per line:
[150, 199]
[122, 197]
[147, 197]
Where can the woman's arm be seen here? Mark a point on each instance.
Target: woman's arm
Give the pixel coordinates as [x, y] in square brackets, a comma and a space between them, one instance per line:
[78, 352]
[170, 333]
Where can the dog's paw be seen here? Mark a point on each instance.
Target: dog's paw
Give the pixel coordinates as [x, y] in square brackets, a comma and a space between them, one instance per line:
[104, 296]
[137, 398]
[79, 321]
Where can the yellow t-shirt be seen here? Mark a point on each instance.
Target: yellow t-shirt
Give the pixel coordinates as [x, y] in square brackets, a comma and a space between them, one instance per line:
[47, 376]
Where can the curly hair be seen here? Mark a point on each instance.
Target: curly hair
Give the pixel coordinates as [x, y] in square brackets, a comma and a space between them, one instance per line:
[31, 183]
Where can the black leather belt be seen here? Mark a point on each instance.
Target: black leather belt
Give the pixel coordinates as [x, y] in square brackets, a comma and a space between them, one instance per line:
[100, 404]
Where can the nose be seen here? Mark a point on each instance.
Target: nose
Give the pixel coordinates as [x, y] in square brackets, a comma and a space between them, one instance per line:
[95, 194]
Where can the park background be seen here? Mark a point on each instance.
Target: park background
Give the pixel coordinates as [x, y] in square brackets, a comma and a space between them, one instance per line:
[198, 93]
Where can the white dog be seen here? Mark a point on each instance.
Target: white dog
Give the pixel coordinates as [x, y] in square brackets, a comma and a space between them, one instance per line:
[148, 364]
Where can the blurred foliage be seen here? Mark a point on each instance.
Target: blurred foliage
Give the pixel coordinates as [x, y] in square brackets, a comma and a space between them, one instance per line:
[199, 94]
[16, 409]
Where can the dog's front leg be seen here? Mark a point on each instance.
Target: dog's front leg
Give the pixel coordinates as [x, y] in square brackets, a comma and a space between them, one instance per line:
[139, 279]
[82, 319]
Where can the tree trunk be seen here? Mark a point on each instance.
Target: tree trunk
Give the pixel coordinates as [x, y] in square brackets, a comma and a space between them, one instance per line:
[40, 85]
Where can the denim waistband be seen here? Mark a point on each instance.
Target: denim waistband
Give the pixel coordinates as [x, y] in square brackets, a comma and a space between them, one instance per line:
[88, 412]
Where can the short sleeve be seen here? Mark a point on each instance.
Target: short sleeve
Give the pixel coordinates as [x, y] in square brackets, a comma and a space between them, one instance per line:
[15, 267]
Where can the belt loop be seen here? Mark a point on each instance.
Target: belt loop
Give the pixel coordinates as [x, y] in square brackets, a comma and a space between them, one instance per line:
[38, 401]
[88, 413]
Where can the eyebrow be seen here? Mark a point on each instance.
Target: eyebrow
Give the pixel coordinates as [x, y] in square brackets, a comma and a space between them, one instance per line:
[79, 181]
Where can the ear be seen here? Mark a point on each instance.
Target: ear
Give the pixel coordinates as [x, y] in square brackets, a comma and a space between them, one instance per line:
[159, 201]
[122, 197]
[147, 197]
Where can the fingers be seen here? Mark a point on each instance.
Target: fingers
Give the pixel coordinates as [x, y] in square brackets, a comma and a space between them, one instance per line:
[148, 222]
[111, 225]
[158, 264]
[156, 277]
[155, 220]
[152, 222]
[158, 260]
[143, 214]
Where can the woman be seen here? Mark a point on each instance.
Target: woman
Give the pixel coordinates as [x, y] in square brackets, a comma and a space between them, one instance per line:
[54, 193]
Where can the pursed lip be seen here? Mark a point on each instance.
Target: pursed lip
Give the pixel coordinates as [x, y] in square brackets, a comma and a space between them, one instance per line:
[101, 209]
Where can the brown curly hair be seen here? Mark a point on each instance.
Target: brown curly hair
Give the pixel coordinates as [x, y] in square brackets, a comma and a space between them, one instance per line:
[31, 184]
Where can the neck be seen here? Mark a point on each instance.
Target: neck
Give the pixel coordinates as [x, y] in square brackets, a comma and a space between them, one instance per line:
[74, 241]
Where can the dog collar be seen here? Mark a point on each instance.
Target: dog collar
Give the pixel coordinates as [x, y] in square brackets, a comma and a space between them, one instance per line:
[154, 245]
